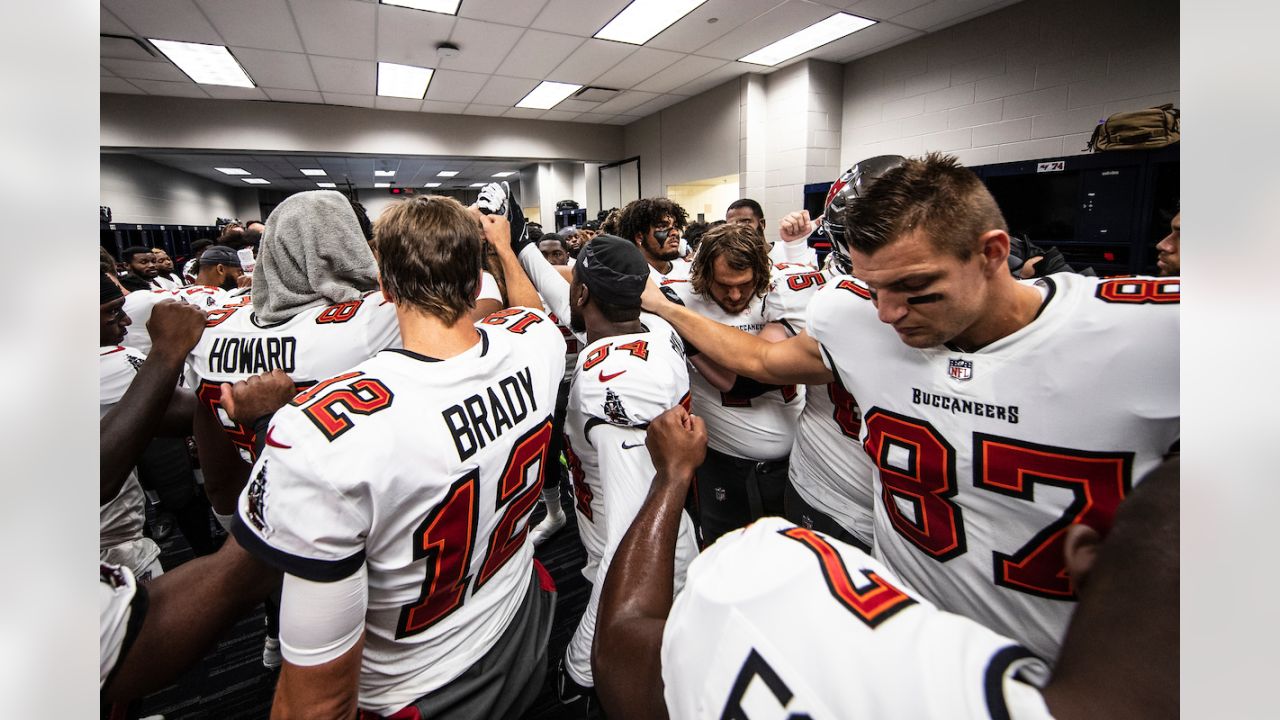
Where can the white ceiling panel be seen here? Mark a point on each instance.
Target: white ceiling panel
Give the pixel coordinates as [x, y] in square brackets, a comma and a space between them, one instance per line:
[524, 113]
[883, 9]
[483, 45]
[504, 90]
[492, 110]
[340, 28]
[863, 42]
[624, 102]
[641, 64]
[124, 48]
[223, 92]
[272, 69]
[106, 73]
[687, 70]
[410, 37]
[395, 103]
[621, 120]
[145, 69]
[659, 103]
[117, 85]
[507, 12]
[941, 13]
[537, 54]
[111, 24]
[166, 20]
[333, 98]
[285, 95]
[576, 17]
[715, 78]
[455, 87]
[694, 31]
[561, 115]
[445, 108]
[577, 106]
[590, 60]
[339, 75]
[177, 89]
[766, 29]
[263, 24]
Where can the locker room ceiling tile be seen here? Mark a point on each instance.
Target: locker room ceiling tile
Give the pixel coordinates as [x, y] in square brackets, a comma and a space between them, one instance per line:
[452, 86]
[336, 27]
[277, 69]
[110, 24]
[444, 108]
[118, 85]
[145, 69]
[625, 102]
[262, 24]
[578, 17]
[166, 20]
[223, 92]
[524, 113]
[340, 75]
[395, 103]
[576, 106]
[591, 60]
[941, 13]
[863, 42]
[767, 28]
[125, 49]
[685, 71]
[507, 12]
[336, 98]
[490, 110]
[288, 95]
[693, 31]
[410, 37]
[661, 102]
[638, 66]
[537, 54]
[561, 115]
[483, 45]
[716, 77]
[504, 91]
[883, 9]
[621, 120]
[164, 87]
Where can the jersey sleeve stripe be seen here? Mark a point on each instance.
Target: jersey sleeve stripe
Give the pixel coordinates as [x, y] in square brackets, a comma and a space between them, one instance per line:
[993, 682]
[312, 569]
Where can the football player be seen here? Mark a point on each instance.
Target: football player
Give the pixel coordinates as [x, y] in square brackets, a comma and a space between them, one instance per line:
[396, 495]
[780, 620]
[751, 425]
[997, 411]
[1169, 249]
[652, 224]
[829, 481]
[792, 250]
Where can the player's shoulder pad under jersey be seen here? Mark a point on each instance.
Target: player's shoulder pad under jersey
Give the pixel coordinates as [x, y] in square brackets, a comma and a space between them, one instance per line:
[326, 411]
[629, 380]
[791, 287]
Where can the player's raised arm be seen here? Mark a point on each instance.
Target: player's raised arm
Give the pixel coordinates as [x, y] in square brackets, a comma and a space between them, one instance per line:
[791, 361]
[626, 658]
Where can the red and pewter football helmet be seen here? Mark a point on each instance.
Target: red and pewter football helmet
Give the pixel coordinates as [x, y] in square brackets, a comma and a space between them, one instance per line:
[844, 191]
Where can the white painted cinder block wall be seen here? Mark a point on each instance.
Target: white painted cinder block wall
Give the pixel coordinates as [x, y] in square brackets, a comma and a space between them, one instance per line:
[1028, 81]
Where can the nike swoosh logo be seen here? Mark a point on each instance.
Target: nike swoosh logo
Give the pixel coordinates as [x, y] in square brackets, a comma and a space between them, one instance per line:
[272, 442]
[606, 378]
[628, 447]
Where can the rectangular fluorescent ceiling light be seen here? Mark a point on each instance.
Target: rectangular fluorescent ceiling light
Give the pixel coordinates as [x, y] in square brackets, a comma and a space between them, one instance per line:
[384, 173]
[643, 19]
[326, 185]
[447, 173]
[232, 171]
[507, 173]
[403, 81]
[432, 185]
[256, 181]
[478, 184]
[448, 7]
[547, 95]
[313, 172]
[205, 64]
[814, 36]
[379, 185]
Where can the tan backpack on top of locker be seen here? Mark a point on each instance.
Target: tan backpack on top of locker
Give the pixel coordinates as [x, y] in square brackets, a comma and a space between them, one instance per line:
[1137, 130]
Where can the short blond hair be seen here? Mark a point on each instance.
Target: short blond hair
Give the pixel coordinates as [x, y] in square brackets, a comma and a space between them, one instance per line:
[429, 255]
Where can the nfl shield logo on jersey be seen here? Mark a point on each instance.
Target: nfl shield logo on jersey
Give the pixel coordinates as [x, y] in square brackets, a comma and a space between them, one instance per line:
[960, 369]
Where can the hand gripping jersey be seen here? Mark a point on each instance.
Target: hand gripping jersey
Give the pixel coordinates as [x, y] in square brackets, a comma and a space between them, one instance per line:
[312, 345]
[425, 472]
[620, 385]
[679, 273]
[781, 621]
[984, 458]
[828, 468]
[120, 538]
[756, 428]
[121, 607]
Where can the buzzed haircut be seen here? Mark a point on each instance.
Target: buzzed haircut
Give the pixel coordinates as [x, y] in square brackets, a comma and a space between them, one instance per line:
[640, 215]
[741, 248]
[746, 203]
[430, 253]
[933, 194]
[129, 252]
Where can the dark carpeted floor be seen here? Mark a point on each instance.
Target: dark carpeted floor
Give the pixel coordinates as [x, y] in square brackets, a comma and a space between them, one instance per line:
[230, 683]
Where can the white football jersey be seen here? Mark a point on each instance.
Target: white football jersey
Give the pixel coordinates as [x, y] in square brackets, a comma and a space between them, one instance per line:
[828, 469]
[679, 273]
[984, 458]
[120, 521]
[117, 589]
[757, 428]
[571, 343]
[139, 304]
[425, 471]
[620, 385]
[781, 621]
[314, 344]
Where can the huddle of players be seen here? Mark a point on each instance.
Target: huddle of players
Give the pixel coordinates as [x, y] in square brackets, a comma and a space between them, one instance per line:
[425, 605]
